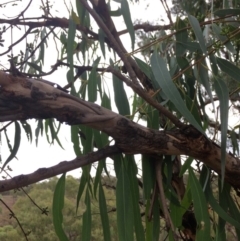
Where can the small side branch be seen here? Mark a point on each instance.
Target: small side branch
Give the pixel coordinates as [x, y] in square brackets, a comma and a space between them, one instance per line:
[62, 167]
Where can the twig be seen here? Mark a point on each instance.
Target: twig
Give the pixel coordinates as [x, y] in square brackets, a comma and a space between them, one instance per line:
[15, 217]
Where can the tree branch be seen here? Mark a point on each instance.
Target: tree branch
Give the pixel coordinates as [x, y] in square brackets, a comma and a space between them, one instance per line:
[24, 98]
[62, 167]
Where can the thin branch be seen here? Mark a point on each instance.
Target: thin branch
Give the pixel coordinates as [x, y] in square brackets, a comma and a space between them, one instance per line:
[18, 41]
[148, 98]
[35, 49]
[12, 214]
[62, 167]
[43, 210]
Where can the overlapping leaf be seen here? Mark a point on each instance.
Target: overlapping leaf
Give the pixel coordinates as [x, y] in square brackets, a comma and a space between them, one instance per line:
[162, 75]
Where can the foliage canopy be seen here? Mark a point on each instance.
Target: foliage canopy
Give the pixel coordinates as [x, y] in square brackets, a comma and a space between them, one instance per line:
[173, 99]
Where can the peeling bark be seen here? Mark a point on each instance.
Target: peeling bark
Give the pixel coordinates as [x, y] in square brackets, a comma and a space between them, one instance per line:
[23, 98]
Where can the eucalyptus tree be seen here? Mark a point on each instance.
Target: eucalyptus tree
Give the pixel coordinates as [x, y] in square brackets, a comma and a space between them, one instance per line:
[174, 91]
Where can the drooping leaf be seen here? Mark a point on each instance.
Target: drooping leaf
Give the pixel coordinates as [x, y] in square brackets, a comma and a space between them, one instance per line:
[120, 97]
[132, 168]
[92, 82]
[57, 206]
[106, 103]
[124, 206]
[226, 12]
[229, 68]
[101, 38]
[163, 77]
[186, 165]
[70, 46]
[104, 215]
[75, 140]
[200, 208]
[220, 210]
[181, 37]
[228, 44]
[83, 182]
[198, 32]
[192, 46]
[116, 13]
[156, 222]
[28, 130]
[35, 66]
[222, 93]
[87, 219]
[128, 20]
[17, 140]
[38, 130]
[201, 72]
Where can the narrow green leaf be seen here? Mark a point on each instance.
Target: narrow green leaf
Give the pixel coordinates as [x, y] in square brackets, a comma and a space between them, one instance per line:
[128, 20]
[144, 67]
[201, 72]
[120, 97]
[200, 208]
[198, 32]
[82, 14]
[149, 73]
[181, 37]
[229, 68]
[218, 209]
[176, 214]
[156, 222]
[213, 62]
[124, 206]
[187, 200]
[116, 13]
[106, 103]
[132, 170]
[104, 215]
[92, 81]
[191, 46]
[162, 75]
[70, 46]
[42, 46]
[101, 38]
[99, 144]
[75, 140]
[81, 11]
[17, 140]
[222, 93]
[83, 182]
[228, 44]
[117, 160]
[149, 223]
[191, 104]
[225, 12]
[35, 66]
[38, 130]
[57, 206]
[87, 219]
[87, 142]
[27, 129]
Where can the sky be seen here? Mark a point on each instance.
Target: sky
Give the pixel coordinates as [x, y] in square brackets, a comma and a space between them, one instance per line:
[30, 157]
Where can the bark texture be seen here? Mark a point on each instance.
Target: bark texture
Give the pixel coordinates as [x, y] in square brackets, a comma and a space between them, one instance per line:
[23, 98]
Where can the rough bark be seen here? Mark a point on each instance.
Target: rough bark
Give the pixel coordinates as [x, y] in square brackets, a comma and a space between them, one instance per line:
[23, 98]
